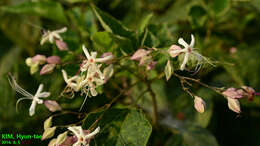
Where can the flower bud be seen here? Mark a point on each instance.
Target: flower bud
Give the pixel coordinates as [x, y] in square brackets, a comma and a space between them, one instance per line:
[234, 105]
[48, 123]
[61, 138]
[199, 104]
[46, 69]
[234, 93]
[52, 105]
[52, 142]
[250, 92]
[151, 65]
[168, 70]
[34, 68]
[40, 59]
[48, 133]
[28, 61]
[139, 54]
[54, 60]
[62, 46]
[108, 72]
[172, 50]
[233, 50]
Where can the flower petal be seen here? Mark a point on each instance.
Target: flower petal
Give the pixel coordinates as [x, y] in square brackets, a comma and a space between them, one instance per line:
[32, 108]
[192, 42]
[185, 60]
[92, 133]
[183, 43]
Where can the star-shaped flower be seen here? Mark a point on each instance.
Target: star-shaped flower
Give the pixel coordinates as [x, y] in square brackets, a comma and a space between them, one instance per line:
[82, 138]
[35, 98]
[92, 81]
[91, 62]
[51, 36]
[188, 51]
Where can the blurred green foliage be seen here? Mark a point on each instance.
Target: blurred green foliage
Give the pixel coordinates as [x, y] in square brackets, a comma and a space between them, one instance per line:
[121, 27]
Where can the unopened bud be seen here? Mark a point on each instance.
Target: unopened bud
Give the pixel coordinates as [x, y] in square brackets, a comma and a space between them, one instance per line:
[54, 60]
[151, 65]
[46, 69]
[52, 105]
[48, 123]
[173, 50]
[234, 93]
[250, 92]
[62, 46]
[139, 54]
[40, 59]
[168, 70]
[234, 105]
[48, 133]
[199, 104]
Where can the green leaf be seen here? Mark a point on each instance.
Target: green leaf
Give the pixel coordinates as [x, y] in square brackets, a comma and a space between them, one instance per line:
[103, 40]
[46, 9]
[108, 42]
[110, 24]
[191, 135]
[145, 22]
[220, 6]
[121, 127]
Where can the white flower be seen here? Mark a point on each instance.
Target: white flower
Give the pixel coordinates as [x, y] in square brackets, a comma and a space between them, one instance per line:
[82, 139]
[188, 50]
[35, 98]
[73, 82]
[92, 81]
[51, 36]
[90, 63]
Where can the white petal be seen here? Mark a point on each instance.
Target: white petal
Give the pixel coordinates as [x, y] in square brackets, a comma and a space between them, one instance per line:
[44, 94]
[99, 81]
[76, 130]
[92, 133]
[39, 89]
[51, 38]
[93, 91]
[85, 50]
[44, 39]
[57, 36]
[65, 76]
[32, 108]
[104, 59]
[185, 60]
[192, 41]
[94, 54]
[62, 30]
[183, 43]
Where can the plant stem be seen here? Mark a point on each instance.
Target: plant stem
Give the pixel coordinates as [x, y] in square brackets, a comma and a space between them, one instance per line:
[155, 110]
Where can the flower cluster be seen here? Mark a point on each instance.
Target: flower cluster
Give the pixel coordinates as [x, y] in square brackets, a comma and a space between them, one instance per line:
[233, 95]
[91, 75]
[37, 60]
